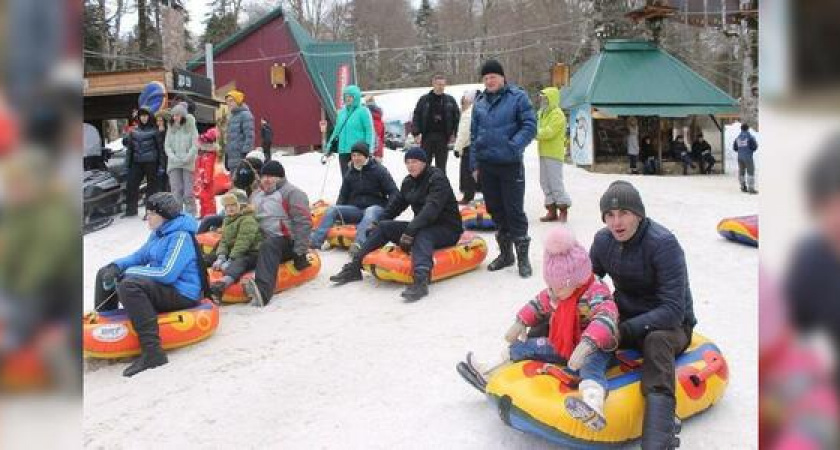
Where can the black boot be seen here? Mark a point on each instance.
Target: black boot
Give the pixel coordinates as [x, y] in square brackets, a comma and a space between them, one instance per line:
[217, 289]
[660, 426]
[419, 289]
[522, 245]
[506, 257]
[152, 354]
[351, 271]
[743, 187]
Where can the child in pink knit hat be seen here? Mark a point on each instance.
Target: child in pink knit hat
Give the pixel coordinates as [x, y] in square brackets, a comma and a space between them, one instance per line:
[582, 321]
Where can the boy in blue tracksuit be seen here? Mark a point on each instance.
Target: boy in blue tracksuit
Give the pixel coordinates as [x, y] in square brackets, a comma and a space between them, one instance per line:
[163, 275]
[745, 145]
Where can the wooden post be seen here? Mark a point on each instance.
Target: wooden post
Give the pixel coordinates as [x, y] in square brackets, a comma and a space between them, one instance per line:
[720, 127]
[659, 144]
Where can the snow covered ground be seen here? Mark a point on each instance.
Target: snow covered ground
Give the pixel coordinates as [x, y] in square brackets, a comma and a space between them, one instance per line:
[355, 367]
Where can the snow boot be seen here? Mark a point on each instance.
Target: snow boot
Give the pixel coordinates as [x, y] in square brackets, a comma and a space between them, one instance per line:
[563, 213]
[552, 213]
[743, 187]
[506, 257]
[218, 288]
[522, 245]
[351, 271]
[589, 407]
[660, 424]
[152, 354]
[354, 249]
[420, 287]
[253, 292]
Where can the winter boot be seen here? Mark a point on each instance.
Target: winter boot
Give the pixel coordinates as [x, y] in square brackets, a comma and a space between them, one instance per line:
[253, 292]
[660, 425]
[354, 249]
[563, 213]
[419, 289]
[218, 288]
[552, 213]
[152, 354]
[589, 407]
[522, 245]
[351, 271]
[506, 257]
[743, 187]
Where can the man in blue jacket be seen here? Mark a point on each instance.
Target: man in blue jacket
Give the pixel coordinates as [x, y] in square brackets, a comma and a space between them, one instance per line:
[503, 124]
[163, 275]
[648, 269]
[745, 145]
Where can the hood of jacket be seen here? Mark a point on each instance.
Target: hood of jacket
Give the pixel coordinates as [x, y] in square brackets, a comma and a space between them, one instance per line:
[181, 222]
[552, 95]
[356, 93]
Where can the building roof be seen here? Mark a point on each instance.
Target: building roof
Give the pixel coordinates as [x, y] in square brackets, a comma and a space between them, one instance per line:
[321, 59]
[631, 77]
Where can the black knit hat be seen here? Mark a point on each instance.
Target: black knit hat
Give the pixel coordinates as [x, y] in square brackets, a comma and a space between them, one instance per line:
[492, 66]
[164, 204]
[415, 153]
[622, 195]
[273, 168]
[361, 147]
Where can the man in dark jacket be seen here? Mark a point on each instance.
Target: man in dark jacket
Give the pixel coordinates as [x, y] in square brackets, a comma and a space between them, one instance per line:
[701, 152]
[435, 122]
[266, 136]
[365, 192]
[647, 267]
[812, 285]
[503, 124]
[144, 149]
[436, 224]
[679, 151]
[745, 145]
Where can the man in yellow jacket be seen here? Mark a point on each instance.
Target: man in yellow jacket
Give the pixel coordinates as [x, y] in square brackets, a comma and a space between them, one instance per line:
[551, 136]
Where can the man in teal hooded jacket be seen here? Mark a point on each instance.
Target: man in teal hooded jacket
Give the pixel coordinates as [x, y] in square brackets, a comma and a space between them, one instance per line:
[353, 124]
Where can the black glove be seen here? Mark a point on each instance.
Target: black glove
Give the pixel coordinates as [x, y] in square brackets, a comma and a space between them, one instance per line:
[457, 154]
[406, 242]
[301, 262]
[109, 275]
[625, 336]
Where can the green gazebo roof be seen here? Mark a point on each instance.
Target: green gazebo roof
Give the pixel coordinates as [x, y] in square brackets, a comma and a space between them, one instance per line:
[630, 77]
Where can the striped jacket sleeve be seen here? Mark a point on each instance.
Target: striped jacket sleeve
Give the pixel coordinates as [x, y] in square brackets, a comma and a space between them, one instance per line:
[179, 253]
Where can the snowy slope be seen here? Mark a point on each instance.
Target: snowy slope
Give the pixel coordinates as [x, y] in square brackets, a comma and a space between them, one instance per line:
[354, 367]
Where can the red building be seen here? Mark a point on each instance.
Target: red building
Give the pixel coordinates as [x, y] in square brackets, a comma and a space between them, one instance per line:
[314, 74]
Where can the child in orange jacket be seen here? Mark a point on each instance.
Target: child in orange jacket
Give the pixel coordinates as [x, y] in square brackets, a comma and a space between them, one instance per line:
[208, 151]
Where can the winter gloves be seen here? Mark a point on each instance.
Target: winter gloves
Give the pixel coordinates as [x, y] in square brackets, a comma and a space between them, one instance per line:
[110, 275]
[406, 242]
[516, 332]
[221, 263]
[300, 262]
[584, 348]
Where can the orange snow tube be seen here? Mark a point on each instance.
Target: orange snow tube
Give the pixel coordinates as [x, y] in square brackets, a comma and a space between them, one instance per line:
[287, 278]
[318, 209]
[390, 263]
[342, 235]
[208, 241]
[110, 334]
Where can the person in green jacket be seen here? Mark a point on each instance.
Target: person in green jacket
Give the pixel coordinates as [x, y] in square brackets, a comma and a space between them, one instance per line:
[353, 124]
[241, 237]
[551, 136]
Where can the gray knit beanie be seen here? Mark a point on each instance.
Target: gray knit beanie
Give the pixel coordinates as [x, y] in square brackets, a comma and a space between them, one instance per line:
[622, 195]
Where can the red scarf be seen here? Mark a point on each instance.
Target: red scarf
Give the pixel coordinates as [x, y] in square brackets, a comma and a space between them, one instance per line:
[564, 329]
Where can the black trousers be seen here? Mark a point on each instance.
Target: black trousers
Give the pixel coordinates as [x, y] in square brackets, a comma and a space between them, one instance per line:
[660, 349]
[136, 173]
[236, 267]
[504, 192]
[467, 184]
[274, 250]
[436, 146]
[266, 146]
[343, 163]
[426, 241]
[209, 222]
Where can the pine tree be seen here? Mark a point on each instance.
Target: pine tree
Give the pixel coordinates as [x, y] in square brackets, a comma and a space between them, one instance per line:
[427, 34]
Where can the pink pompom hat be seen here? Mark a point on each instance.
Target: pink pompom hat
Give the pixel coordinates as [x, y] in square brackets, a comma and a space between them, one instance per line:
[565, 262]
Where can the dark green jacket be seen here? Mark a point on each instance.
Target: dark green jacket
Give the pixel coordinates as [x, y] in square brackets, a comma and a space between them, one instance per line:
[240, 235]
